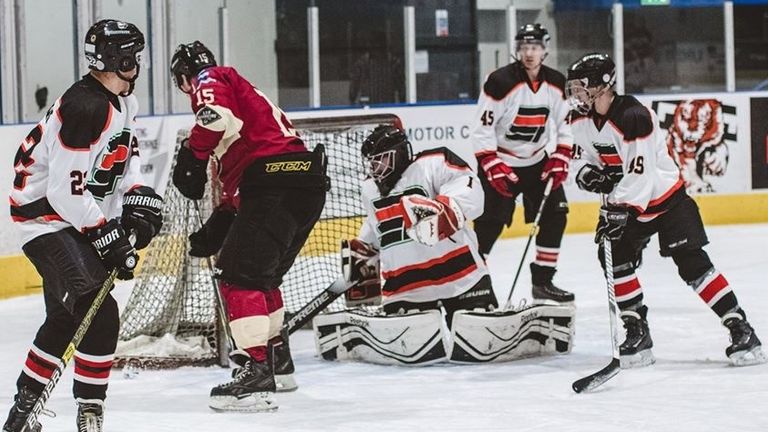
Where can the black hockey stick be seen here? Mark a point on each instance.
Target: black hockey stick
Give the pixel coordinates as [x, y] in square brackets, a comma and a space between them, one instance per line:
[82, 329]
[221, 307]
[599, 378]
[534, 230]
[318, 304]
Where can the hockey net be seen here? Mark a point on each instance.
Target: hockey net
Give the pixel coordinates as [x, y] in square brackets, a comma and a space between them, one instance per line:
[170, 319]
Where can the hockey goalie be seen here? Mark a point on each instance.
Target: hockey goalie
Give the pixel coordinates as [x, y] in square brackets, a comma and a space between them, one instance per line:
[437, 302]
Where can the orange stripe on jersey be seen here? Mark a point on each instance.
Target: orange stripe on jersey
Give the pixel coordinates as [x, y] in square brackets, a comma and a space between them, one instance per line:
[391, 212]
[610, 159]
[666, 194]
[534, 120]
[426, 264]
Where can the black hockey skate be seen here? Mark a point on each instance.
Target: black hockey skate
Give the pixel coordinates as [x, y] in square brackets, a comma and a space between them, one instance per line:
[636, 349]
[745, 348]
[90, 415]
[281, 353]
[251, 390]
[23, 402]
[543, 288]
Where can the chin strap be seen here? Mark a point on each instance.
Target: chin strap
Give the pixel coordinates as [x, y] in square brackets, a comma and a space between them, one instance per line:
[130, 81]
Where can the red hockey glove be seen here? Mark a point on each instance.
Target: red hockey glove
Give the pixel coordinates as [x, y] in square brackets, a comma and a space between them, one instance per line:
[499, 174]
[428, 221]
[556, 167]
[360, 265]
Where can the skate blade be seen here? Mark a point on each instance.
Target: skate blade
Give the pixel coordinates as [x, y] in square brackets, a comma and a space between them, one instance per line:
[748, 358]
[285, 383]
[641, 359]
[256, 402]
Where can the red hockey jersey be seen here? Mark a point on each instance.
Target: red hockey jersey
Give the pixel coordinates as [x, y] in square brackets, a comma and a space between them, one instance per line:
[238, 124]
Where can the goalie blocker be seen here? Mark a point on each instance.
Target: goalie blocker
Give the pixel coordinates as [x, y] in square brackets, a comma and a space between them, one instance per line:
[421, 338]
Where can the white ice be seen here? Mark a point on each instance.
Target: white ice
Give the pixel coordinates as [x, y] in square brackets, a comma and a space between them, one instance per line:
[690, 388]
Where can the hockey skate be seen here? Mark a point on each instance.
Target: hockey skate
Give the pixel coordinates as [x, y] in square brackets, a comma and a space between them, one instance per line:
[745, 348]
[23, 402]
[636, 349]
[284, 369]
[251, 390]
[544, 290]
[90, 415]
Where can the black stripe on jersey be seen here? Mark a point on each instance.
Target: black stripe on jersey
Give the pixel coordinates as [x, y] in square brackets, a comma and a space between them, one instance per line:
[609, 156]
[451, 158]
[389, 200]
[448, 270]
[33, 210]
[392, 230]
[528, 124]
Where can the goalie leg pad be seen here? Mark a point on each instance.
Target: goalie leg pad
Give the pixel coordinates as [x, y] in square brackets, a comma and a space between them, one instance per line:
[415, 339]
[480, 337]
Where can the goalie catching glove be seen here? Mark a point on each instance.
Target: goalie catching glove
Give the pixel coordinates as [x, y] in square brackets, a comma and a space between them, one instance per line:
[428, 221]
[360, 267]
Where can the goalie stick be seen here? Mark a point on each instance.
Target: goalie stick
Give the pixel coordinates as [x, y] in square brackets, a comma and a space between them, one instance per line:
[599, 378]
[318, 304]
[82, 329]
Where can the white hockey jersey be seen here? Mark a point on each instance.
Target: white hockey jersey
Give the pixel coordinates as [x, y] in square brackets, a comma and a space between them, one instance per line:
[630, 147]
[412, 271]
[513, 115]
[75, 165]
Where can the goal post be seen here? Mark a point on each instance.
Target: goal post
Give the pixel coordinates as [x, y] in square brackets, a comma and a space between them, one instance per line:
[170, 319]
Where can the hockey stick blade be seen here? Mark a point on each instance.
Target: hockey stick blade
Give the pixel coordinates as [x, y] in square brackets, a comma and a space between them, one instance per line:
[318, 304]
[591, 382]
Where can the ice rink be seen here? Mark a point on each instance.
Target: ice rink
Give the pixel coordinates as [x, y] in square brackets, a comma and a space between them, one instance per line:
[690, 388]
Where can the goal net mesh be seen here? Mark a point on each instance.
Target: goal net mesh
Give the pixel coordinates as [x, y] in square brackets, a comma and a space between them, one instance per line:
[171, 319]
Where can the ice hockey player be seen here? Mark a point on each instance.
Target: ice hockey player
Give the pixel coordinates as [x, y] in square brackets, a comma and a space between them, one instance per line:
[77, 195]
[622, 154]
[416, 234]
[274, 191]
[519, 107]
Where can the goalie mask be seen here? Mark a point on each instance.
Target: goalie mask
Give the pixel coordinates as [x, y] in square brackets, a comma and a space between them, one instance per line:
[387, 153]
[587, 79]
[115, 46]
[189, 60]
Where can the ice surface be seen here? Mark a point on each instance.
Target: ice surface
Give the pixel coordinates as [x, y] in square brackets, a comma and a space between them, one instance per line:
[690, 388]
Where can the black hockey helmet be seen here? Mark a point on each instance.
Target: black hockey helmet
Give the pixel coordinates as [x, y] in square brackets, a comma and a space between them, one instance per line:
[532, 33]
[587, 78]
[387, 153]
[114, 46]
[189, 59]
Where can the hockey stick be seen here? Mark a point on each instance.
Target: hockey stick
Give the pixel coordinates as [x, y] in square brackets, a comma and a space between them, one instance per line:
[82, 329]
[599, 378]
[534, 230]
[220, 306]
[318, 304]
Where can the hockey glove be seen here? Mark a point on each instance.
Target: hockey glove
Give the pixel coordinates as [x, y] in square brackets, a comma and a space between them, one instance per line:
[142, 214]
[210, 237]
[189, 174]
[499, 174]
[428, 221]
[556, 167]
[612, 222]
[360, 266]
[592, 179]
[113, 247]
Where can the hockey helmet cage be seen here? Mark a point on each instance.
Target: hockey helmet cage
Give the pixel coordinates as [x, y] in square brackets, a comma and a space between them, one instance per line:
[189, 59]
[114, 46]
[532, 33]
[587, 77]
[387, 153]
